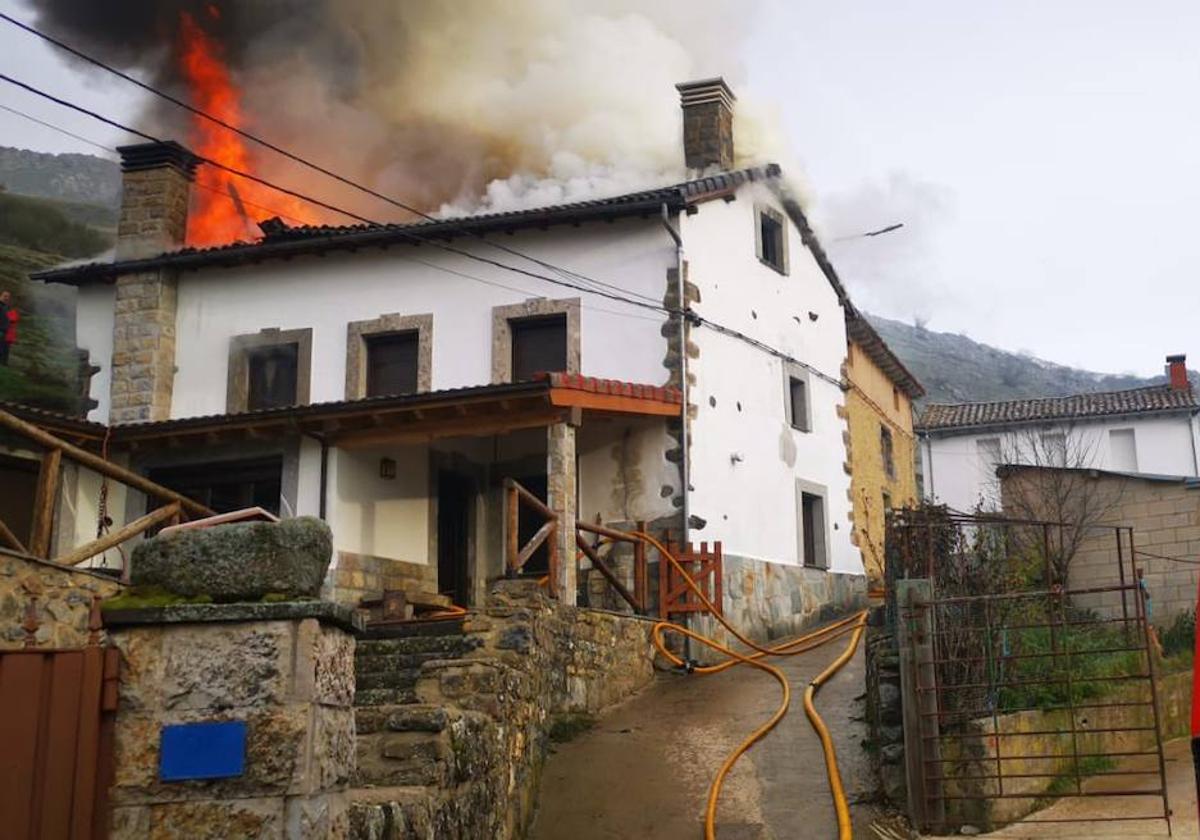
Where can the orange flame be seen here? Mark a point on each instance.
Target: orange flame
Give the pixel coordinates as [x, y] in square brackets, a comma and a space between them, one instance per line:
[224, 207]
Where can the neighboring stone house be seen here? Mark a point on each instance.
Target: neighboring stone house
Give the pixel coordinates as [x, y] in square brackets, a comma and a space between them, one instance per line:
[1153, 429]
[882, 448]
[1164, 513]
[389, 378]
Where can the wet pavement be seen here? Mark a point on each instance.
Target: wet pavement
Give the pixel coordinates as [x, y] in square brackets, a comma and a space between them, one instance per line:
[1090, 812]
[645, 769]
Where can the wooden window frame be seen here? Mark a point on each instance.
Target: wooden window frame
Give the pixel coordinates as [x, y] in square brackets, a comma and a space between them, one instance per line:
[791, 372]
[761, 210]
[808, 488]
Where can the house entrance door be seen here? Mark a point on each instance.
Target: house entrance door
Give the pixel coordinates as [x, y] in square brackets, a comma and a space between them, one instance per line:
[456, 503]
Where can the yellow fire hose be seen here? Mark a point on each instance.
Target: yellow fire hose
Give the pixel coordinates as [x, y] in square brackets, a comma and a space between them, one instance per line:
[855, 623]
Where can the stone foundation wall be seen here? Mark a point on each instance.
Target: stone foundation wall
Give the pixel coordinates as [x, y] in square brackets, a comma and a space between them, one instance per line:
[57, 598]
[358, 576]
[885, 713]
[285, 669]
[483, 721]
[767, 601]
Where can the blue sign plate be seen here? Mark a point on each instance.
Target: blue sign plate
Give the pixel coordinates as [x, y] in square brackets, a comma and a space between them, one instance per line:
[215, 750]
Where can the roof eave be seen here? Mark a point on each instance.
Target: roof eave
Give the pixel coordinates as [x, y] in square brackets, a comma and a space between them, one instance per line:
[1086, 418]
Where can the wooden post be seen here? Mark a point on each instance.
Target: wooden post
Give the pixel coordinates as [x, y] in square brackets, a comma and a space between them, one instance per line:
[9, 537]
[512, 518]
[44, 502]
[137, 526]
[640, 583]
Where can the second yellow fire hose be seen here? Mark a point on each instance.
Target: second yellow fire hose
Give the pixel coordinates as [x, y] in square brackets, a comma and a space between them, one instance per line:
[855, 624]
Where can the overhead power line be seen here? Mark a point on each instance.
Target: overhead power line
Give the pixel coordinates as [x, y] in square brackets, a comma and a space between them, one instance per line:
[620, 296]
[59, 129]
[293, 156]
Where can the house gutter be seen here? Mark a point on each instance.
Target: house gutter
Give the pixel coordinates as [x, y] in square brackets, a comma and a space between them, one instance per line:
[685, 470]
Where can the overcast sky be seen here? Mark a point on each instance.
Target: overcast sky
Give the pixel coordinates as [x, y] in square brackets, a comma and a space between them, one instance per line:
[1041, 156]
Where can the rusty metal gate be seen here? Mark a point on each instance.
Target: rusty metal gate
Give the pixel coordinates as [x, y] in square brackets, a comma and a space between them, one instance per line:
[56, 741]
[1019, 702]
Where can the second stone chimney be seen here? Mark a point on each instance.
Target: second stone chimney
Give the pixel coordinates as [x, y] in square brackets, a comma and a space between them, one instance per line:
[1177, 372]
[707, 123]
[156, 182]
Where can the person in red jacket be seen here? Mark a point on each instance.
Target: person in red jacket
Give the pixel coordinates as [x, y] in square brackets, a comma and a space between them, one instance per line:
[9, 316]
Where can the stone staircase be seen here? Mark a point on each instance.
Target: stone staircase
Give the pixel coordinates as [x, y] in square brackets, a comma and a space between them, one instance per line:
[401, 741]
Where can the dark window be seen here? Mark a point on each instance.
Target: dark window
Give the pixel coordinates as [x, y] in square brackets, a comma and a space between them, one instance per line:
[798, 403]
[392, 363]
[538, 344]
[887, 451]
[224, 486]
[771, 233]
[896, 398]
[271, 376]
[812, 521]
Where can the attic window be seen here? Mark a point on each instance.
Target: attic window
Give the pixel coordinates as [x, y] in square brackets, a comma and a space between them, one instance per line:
[268, 369]
[771, 238]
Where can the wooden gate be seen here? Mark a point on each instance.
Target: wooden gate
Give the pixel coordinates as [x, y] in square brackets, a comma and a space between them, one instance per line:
[704, 567]
[56, 715]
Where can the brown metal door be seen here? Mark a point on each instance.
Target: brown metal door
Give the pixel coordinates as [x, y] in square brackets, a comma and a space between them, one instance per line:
[56, 742]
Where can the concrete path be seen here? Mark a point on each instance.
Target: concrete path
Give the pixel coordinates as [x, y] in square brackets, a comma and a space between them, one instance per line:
[1181, 791]
[645, 769]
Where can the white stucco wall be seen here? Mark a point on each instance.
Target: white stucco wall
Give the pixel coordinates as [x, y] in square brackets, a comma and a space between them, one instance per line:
[623, 470]
[378, 516]
[751, 504]
[957, 476]
[618, 341]
[94, 316]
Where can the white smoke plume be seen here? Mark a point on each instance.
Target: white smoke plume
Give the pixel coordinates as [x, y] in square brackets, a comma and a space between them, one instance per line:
[465, 106]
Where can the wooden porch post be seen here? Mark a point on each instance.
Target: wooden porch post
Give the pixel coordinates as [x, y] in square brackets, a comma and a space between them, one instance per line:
[44, 503]
[560, 496]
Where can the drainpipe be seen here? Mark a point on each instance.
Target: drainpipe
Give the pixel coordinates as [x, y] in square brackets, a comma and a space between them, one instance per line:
[685, 471]
[321, 439]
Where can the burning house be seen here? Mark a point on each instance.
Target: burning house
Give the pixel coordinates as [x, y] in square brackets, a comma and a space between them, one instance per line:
[396, 380]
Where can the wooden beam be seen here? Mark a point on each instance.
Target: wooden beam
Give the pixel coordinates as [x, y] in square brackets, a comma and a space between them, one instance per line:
[95, 462]
[44, 501]
[432, 429]
[535, 542]
[9, 537]
[608, 573]
[591, 401]
[112, 540]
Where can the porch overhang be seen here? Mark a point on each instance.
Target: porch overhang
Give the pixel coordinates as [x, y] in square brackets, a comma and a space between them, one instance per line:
[417, 418]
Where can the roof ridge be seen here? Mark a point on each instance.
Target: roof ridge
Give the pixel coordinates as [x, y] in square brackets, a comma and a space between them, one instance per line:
[1077, 394]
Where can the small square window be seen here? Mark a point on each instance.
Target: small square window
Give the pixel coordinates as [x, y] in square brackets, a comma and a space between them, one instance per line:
[896, 398]
[271, 376]
[887, 451]
[798, 404]
[392, 363]
[772, 239]
[539, 344]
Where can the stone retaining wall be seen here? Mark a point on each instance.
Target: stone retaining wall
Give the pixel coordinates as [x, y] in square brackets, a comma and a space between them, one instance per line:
[60, 598]
[486, 717]
[284, 669]
[357, 576]
[768, 601]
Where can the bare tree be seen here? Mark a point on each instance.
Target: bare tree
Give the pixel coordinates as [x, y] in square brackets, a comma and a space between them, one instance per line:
[1048, 474]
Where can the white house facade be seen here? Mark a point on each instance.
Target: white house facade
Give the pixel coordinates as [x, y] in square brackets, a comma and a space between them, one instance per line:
[1152, 431]
[389, 379]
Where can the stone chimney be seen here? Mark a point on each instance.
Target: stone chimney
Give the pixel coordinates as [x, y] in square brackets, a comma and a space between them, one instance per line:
[156, 187]
[707, 123]
[1177, 371]
[156, 183]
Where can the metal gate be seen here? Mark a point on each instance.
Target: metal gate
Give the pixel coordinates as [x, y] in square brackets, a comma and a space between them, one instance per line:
[1018, 702]
[56, 741]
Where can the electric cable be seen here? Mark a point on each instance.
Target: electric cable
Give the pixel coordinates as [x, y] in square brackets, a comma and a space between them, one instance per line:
[292, 155]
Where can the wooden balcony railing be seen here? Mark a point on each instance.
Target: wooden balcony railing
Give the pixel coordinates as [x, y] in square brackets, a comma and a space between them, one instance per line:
[517, 555]
[175, 506]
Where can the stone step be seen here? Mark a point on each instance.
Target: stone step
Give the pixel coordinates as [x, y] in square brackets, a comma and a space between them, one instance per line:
[418, 717]
[406, 678]
[385, 697]
[419, 628]
[372, 663]
[403, 758]
[448, 646]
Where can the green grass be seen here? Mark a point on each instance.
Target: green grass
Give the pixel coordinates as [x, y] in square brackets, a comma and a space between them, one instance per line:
[143, 597]
[1068, 782]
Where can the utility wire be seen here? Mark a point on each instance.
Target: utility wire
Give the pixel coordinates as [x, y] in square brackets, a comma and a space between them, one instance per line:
[105, 148]
[303, 197]
[292, 155]
[644, 304]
